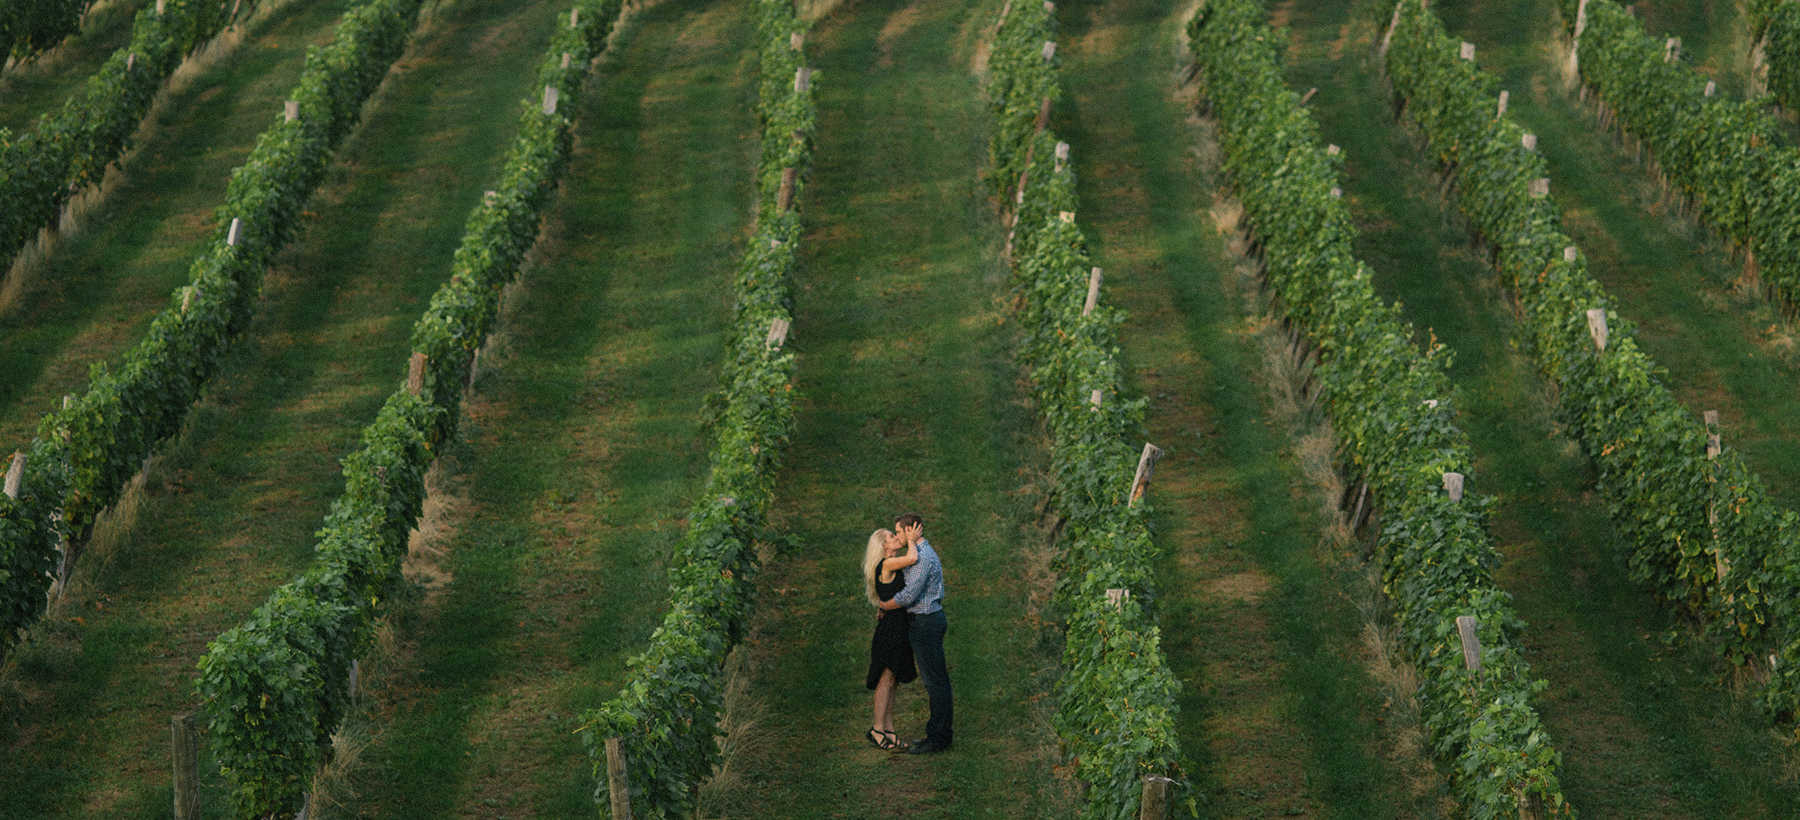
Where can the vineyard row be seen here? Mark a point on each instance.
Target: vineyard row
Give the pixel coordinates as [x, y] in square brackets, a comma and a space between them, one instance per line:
[1392, 408]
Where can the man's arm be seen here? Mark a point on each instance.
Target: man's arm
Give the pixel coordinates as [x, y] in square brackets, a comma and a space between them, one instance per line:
[915, 584]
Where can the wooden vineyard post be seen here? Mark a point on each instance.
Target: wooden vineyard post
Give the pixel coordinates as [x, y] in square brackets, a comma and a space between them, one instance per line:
[1049, 50]
[1093, 297]
[1388, 36]
[574, 17]
[1094, 398]
[1062, 155]
[802, 79]
[1043, 118]
[1711, 88]
[1471, 643]
[778, 331]
[1115, 598]
[1307, 97]
[235, 232]
[550, 95]
[565, 59]
[161, 6]
[795, 39]
[1671, 49]
[1596, 319]
[1539, 188]
[1154, 805]
[415, 373]
[616, 781]
[1453, 484]
[291, 110]
[1468, 51]
[1146, 465]
[784, 198]
[1575, 43]
[185, 754]
[15, 474]
[1529, 141]
[1531, 807]
[1569, 253]
[1501, 112]
[130, 61]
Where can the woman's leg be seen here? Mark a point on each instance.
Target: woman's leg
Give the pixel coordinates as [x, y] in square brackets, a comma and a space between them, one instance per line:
[884, 702]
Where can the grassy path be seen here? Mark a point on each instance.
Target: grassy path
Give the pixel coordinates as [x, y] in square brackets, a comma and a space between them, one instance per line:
[1279, 711]
[1645, 723]
[582, 443]
[230, 510]
[910, 399]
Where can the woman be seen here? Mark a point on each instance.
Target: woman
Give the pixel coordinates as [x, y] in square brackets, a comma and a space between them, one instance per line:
[890, 653]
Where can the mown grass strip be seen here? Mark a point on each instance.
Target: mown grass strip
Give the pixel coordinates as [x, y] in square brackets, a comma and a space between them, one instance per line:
[1116, 700]
[667, 715]
[1392, 408]
[85, 453]
[275, 687]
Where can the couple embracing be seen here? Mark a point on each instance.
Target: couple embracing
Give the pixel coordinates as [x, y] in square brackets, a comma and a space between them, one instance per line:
[903, 578]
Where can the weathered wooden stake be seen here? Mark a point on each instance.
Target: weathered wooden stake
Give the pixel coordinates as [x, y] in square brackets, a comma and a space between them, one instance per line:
[1332, 150]
[415, 373]
[1671, 49]
[1336, 192]
[1596, 318]
[1307, 97]
[1468, 51]
[1569, 253]
[1471, 643]
[1540, 188]
[1043, 117]
[574, 17]
[236, 229]
[184, 744]
[130, 61]
[1502, 109]
[1388, 36]
[1531, 806]
[1093, 298]
[1714, 445]
[565, 60]
[784, 198]
[1094, 398]
[616, 781]
[550, 95]
[1062, 154]
[1529, 141]
[187, 297]
[802, 79]
[291, 110]
[1580, 18]
[160, 7]
[778, 331]
[1116, 597]
[1711, 87]
[1146, 465]
[1049, 6]
[355, 675]
[15, 474]
[1453, 484]
[1049, 49]
[795, 39]
[1154, 805]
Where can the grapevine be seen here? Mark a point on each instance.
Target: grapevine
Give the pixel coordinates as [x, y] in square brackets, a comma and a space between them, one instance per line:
[275, 687]
[1115, 709]
[667, 713]
[1392, 408]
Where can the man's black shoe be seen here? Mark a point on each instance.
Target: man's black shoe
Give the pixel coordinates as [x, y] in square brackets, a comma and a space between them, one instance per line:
[925, 746]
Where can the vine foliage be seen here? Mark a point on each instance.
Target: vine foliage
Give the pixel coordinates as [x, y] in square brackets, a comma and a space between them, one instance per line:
[275, 686]
[1115, 707]
[667, 713]
[1393, 409]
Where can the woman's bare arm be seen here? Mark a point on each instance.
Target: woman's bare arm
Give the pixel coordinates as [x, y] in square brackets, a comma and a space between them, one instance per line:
[903, 560]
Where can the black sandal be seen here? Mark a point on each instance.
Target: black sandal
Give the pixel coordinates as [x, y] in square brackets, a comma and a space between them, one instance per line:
[875, 740]
[891, 742]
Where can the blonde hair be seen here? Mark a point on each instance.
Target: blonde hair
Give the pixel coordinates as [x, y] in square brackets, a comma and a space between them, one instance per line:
[872, 555]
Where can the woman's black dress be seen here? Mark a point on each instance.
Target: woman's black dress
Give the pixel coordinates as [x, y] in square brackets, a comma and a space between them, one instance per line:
[892, 648]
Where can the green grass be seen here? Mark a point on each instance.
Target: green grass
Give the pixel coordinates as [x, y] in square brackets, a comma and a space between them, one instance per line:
[583, 443]
[230, 510]
[1645, 723]
[910, 399]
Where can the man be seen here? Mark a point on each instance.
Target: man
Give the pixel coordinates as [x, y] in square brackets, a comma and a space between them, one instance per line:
[923, 596]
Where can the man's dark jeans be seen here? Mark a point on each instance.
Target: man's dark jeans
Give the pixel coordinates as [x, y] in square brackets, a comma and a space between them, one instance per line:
[927, 634]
